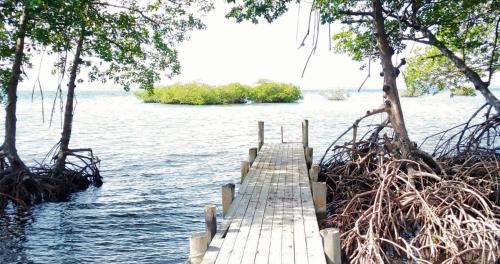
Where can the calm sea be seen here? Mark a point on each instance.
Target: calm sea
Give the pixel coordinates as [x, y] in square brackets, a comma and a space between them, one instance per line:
[162, 163]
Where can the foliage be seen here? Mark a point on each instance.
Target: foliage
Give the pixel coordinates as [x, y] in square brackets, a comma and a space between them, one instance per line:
[271, 92]
[127, 42]
[234, 93]
[429, 72]
[135, 41]
[463, 91]
[466, 27]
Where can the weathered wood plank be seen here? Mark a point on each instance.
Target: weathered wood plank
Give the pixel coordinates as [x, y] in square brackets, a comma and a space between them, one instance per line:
[314, 243]
[299, 236]
[250, 251]
[272, 219]
[252, 218]
[218, 240]
[287, 242]
[262, 254]
[250, 195]
[277, 229]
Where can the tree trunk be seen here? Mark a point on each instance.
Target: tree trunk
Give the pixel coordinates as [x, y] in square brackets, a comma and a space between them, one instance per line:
[473, 76]
[68, 111]
[390, 88]
[9, 146]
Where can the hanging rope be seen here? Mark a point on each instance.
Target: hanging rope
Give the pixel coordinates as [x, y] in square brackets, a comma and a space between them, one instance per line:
[298, 21]
[329, 37]
[367, 76]
[37, 81]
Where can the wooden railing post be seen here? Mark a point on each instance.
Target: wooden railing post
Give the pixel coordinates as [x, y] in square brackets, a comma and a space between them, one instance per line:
[227, 197]
[245, 168]
[319, 191]
[210, 222]
[261, 134]
[198, 245]
[252, 155]
[309, 156]
[314, 172]
[305, 133]
[331, 245]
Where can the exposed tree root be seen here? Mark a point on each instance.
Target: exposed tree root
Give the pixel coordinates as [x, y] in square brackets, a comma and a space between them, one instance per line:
[42, 183]
[440, 208]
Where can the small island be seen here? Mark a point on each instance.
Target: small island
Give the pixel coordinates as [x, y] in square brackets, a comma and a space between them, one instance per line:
[195, 93]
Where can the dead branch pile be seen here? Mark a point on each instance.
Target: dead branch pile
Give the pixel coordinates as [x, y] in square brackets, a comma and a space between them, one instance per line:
[42, 183]
[424, 209]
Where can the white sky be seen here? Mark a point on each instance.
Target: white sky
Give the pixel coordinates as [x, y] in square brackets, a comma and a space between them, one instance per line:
[245, 52]
[230, 52]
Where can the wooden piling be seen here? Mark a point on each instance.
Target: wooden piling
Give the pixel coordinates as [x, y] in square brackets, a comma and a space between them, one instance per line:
[210, 221]
[261, 134]
[245, 168]
[305, 133]
[319, 191]
[252, 155]
[227, 197]
[198, 245]
[331, 245]
[314, 172]
[309, 156]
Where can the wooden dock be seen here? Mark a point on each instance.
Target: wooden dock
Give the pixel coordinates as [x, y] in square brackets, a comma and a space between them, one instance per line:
[273, 218]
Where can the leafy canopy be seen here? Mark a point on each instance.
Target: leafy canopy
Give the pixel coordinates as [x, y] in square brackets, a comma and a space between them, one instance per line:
[127, 42]
[429, 72]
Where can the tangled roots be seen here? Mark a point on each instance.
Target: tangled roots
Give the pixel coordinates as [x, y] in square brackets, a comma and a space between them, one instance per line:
[43, 183]
[439, 208]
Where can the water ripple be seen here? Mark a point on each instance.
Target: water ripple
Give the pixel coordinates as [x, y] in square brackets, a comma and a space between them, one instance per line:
[163, 163]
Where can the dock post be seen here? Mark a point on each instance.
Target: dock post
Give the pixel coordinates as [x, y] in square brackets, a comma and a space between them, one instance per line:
[261, 134]
[331, 245]
[227, 197]
[210, 222]
[252, 155]
[314, 172]
[309, 156]
[305, 133]
[319, 191]
[245, 168]
[198, 245]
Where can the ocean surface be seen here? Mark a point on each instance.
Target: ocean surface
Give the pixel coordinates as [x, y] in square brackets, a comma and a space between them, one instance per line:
[162, 163]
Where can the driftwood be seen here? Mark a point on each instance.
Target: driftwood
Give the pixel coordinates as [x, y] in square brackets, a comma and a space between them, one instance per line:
[441, 207]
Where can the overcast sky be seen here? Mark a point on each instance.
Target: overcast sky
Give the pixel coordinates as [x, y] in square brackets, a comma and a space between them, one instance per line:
[245, 52]
[230, 52]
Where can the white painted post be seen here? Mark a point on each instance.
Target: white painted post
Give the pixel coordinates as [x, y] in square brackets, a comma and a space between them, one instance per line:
[319, 197]
[331, 245]
[198, 245]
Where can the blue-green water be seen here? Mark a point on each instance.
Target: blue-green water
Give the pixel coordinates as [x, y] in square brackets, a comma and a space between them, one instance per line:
[162, 163]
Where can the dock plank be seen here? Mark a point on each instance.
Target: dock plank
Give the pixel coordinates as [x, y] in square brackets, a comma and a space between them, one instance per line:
[299, 235]
[250, 228]
[251, 246]
[287, 242]
[251, 194]
[272, 219]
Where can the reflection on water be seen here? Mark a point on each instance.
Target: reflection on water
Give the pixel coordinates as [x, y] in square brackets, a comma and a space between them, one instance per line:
[163, 163]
